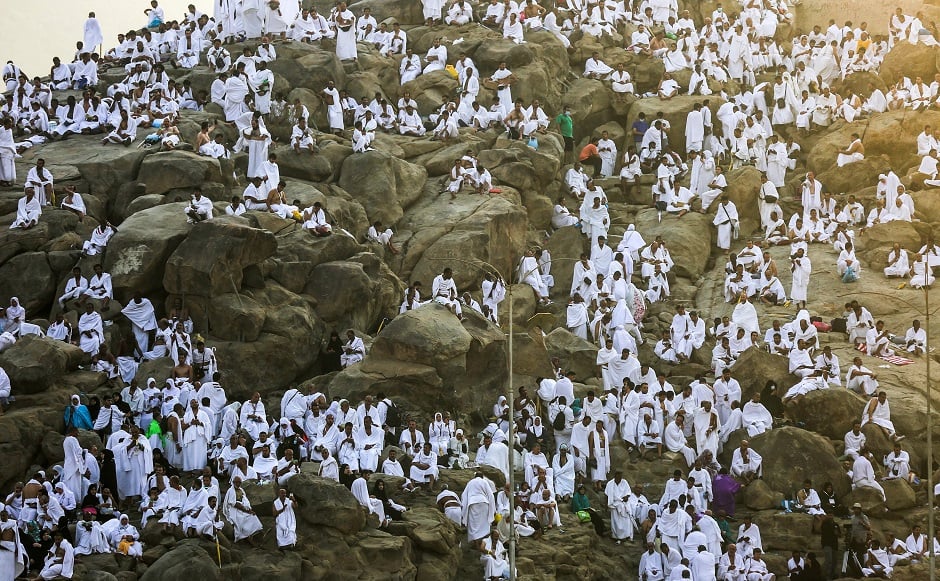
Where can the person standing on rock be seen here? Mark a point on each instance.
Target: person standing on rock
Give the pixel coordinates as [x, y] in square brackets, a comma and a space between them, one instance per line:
[726, 220]
[479, 507]
[802, 268]
[285, 519]
[346, 33]
[694, 129]
[566, 128]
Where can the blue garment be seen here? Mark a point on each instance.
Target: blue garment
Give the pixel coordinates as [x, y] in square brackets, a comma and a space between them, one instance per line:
[78, 417]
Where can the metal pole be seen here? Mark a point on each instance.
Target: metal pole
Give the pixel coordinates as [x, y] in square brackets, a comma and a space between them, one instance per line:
[930, 494]
[512, 443]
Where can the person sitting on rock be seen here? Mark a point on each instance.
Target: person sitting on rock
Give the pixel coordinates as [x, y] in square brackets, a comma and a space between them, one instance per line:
[199, 209]
[898, 464]
[746, 464]
[353, 351]
[315, 220]
[28, 211]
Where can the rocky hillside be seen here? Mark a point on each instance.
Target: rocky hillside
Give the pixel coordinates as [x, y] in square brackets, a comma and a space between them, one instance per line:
[265, 294]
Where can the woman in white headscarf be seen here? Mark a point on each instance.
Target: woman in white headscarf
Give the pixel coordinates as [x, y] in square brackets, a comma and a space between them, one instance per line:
[501, 413]
[459, 450]
[439, 434]
[360, 489]
[15, 315]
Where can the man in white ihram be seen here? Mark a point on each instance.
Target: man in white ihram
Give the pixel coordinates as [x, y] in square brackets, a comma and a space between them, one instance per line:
[479, 507]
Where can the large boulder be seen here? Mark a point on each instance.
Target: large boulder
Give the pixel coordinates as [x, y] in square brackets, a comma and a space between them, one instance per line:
[383, 184]
[212, 259]
[430, 360]
[432, 532]
[589, 100]
[289, 341]
[28, 276]
[306, 166]
[138, 252]
[683, 237]
[758, 496]
[792, 455]
[170, 170]
[899, 494]
[909, 60]
[529, 355]
[430, 90]
[35, 363]
[22, 433]
[854, 176]
[187, 559]
[516, 164]
[492, 230]
[874, 244]
[52, 444]
[893, 133]
[326, 503]
[235, 317]
[755, 367]
[104, 169]
[859, 83]
[299, 253]
[576, 354]
[261, 566]
[830, 412]
[743, 185]
[430, 335]
[786, 532]
[308, 66]
[565, 246]
[355, 293]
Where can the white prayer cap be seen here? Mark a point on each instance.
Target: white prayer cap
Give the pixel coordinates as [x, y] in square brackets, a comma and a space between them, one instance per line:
[631, 227]
[882, 177]
[459, 432]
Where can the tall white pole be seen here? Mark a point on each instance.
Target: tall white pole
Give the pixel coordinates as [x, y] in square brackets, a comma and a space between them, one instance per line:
[512, 443]
[930, 493]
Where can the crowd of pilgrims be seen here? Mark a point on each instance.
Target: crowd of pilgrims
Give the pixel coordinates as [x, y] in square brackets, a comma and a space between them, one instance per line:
[171, 450]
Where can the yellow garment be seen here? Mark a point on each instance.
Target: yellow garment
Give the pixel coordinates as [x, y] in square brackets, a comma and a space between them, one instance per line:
[451, 71]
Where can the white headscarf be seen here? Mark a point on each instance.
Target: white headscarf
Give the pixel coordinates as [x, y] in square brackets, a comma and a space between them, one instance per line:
[360, 489]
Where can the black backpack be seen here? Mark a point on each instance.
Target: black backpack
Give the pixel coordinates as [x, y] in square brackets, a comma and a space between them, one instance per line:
[392, 415]
[558, 424]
